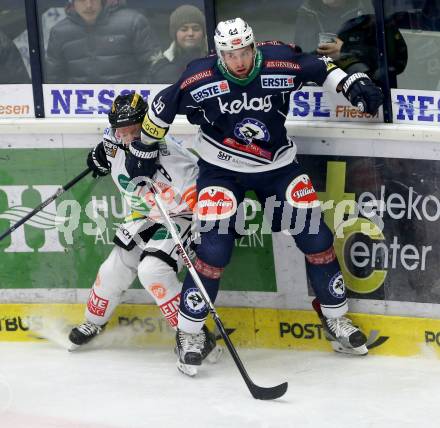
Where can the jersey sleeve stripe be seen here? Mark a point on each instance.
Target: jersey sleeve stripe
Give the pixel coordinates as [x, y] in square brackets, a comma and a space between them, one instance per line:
[156, 120]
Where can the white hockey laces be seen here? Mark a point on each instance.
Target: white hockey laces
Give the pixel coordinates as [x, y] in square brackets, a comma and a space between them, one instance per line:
[192, 342]
[89, 328]
[341, 327]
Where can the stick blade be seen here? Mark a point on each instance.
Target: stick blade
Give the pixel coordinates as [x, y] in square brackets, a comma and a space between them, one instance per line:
[271, 393]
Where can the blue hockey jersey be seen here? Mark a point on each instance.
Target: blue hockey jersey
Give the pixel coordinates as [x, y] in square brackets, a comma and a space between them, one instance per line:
[241, 120]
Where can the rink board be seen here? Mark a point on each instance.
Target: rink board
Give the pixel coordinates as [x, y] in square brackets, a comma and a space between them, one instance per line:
[143, 325]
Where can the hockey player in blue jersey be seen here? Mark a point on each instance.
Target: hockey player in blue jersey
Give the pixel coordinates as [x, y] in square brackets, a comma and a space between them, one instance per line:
[240, 100]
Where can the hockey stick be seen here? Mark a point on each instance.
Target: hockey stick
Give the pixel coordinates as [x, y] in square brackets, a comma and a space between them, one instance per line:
[59, 192]
[258, 392]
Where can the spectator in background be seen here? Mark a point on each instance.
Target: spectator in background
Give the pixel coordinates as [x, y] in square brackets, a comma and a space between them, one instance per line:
[12, 68]
[318, 16]
[101, 42]
[188, 35]
[354, 47]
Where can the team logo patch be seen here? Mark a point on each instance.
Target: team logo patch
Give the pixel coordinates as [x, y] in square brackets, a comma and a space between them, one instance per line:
[277, 81]
[216, 203]
[288, 65]
[210, 90]
[336, 286]
[301, 194]
[195, 78]
[158, 290]
[97, 305]
[251, 129]
[329, 64]
[193, 301]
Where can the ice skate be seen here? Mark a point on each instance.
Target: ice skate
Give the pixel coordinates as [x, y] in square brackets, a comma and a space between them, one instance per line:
[211, 352]
[83, 334]
[189, 349]
[342, 334]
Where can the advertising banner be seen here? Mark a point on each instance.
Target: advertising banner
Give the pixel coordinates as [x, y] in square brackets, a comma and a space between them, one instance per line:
[415, 106]
[313, 103]
[144, 326]
[66, 100]
[384, 214]
[16, 101]
[60, 249]
[309, 103]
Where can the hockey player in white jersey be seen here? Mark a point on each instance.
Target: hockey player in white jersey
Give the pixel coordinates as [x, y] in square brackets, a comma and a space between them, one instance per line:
[143, 246]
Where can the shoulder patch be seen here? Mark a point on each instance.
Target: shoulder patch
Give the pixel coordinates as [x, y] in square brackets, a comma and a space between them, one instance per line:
[196, 77]
[280, 64]
[270, 43]
[210, 90]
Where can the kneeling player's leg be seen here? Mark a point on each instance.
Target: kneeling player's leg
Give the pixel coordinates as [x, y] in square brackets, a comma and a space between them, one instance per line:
[115, 276]
[160, 280]
[159, 266]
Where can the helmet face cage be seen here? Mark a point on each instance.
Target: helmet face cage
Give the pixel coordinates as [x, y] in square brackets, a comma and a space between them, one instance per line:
[231, 35]
[127, 110]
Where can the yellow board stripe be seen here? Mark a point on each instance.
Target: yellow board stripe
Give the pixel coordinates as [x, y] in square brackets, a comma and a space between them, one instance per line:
[262, 328]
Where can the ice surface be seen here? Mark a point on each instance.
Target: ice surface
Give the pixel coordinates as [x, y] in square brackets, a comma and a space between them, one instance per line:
[44, 386]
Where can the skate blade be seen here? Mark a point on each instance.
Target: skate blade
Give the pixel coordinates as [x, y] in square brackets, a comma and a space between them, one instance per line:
[72, 347]
[214, 355]
[360, 350]
[186, 369]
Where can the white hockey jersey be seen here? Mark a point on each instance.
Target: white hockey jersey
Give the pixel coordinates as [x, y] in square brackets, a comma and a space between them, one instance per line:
[175, 176]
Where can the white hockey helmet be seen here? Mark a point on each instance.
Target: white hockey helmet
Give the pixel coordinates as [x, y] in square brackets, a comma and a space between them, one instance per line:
[232, 34]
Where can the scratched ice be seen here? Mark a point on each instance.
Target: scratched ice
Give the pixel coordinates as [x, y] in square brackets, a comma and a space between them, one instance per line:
[44, 386]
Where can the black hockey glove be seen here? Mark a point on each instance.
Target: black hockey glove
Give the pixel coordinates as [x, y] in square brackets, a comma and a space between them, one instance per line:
[362, 92]
[141, 159]
[97, 161]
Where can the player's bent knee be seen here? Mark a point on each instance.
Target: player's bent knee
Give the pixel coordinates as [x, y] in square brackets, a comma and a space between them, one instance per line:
[322, 258]
[113, 274]
[207, 270]
[158, 278]
[216, 248]
[310, 243]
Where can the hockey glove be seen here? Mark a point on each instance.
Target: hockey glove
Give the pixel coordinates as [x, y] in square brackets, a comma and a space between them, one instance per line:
[141, 159]
[97, 161]
[362, 92]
